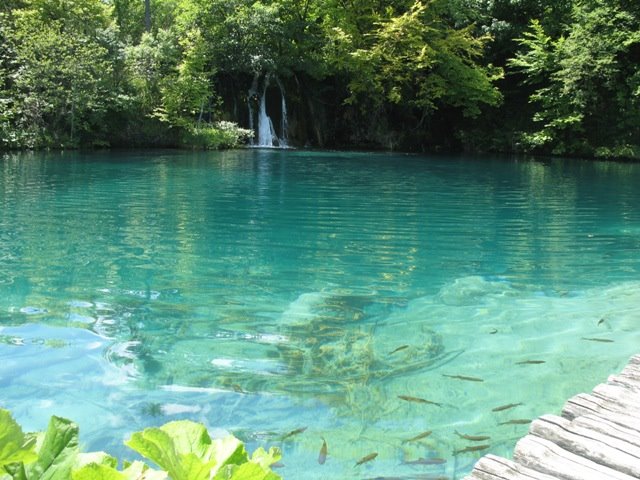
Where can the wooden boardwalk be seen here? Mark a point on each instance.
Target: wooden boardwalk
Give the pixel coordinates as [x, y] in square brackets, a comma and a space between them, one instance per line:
[596, 438]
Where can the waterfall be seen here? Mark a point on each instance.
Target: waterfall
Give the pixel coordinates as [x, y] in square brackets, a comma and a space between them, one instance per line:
[266, 132]
[283, 123]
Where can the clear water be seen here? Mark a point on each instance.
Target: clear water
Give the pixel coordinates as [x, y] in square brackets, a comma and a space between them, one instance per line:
[265, 291]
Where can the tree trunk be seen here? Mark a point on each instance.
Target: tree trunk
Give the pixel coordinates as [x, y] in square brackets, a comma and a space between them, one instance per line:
[147, 15]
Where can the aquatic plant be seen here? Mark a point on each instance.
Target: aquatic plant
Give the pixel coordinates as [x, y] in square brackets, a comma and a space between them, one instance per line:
[183, 450]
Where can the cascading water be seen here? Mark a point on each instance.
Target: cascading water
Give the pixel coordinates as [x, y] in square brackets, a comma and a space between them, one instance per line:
[266, 132]
[284, 125]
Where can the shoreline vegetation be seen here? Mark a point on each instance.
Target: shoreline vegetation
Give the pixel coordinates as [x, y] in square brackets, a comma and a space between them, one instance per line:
[182, 449]
[545, 78]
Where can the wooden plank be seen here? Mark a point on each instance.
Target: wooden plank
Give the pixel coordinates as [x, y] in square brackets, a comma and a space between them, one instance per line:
[617, 392]
[581, 404]
[471, 476]
[492, 467]
[627, 428]
[584, 403]
[618, 397]
[632, 370]
[589, 444]
[545, 456]
[625, 381]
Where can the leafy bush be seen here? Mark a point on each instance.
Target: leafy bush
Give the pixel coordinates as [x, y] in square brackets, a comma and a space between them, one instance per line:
[182, 449]
[214, 137]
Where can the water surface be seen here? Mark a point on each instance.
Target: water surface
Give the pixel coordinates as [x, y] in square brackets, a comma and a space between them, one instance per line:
[264, 291]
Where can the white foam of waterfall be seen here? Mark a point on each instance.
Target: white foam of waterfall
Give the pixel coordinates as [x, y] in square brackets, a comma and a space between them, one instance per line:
[266, 132]
[283, 124]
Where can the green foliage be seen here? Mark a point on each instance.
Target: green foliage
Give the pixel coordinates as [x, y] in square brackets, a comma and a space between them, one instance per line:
[187, 92]
[389, 72]
[62, 82]
[416, 59]
[183, 449]
[218, 136]
[148, 63]
[15, 446]
[586, 82]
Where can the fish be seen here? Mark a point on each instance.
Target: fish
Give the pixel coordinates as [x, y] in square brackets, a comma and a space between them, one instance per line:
[601, 321]
[428, 476]
[408, 398]
[277, 465]
[237, 388]
[464, 377]
[401, 347]
[294, 432]
[419, 476]
[322, 457]
[493, 331]
[517, 421]
[474, 448]
[603, 340]
[530, 362]
[473, 438]
[425, 461]
[506, 407]
[420, 436]
[386, 478]
[366, 458]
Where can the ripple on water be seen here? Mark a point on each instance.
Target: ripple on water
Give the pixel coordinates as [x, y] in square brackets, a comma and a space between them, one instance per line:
[273, 291]
[33, 310]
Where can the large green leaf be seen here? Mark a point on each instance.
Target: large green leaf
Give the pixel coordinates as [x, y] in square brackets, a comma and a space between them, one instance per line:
[266, 459]
[141, 471]
[228, 451]
[15, 446]
[95, 471]
[246, 471]
[185, 450]
[57, 452]
[99, 458]
[181, 448]
[107, 471]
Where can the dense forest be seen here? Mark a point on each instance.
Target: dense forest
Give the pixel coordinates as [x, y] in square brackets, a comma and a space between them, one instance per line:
[542, 76]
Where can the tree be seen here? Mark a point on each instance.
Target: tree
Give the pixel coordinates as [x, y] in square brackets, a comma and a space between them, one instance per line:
[587, 82]
[63, 85]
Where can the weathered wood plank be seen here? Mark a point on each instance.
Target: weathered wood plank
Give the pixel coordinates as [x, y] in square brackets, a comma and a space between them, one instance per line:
[632, 370]
[492, 467]
[589, 444]
[627, 428]
[631, 373]
[584, 403]
[545, 456]
[618, 397]
[581, 406]
[617, 392]
[625, 381]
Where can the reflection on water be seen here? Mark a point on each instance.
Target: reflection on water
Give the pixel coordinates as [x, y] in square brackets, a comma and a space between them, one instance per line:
[361, 299]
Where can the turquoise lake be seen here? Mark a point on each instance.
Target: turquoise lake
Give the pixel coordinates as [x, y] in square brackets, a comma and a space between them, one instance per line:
[264, 291]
